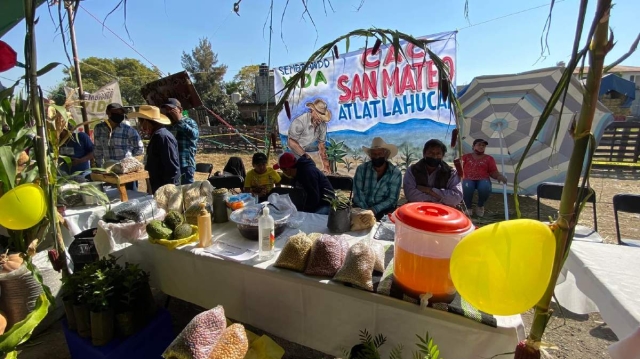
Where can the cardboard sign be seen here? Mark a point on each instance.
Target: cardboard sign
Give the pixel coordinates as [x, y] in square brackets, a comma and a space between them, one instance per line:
[178, 86]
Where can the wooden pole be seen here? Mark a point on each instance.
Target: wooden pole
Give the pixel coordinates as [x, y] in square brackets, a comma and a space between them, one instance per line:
[76, 64]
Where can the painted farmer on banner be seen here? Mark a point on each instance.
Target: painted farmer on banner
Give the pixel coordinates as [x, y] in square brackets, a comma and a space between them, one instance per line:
[343, 103]
[308, 134]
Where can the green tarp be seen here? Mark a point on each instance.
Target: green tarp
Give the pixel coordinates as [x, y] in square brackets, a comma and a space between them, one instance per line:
[11, 13]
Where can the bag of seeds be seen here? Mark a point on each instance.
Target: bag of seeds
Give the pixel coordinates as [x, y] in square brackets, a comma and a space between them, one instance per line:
[378, 250]
[362, 219]
[295, 253]
[127, 165]
[358, 266]
[232, 344]
[327, 256]
[197, 339]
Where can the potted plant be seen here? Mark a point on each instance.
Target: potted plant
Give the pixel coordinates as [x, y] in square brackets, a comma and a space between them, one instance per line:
[131, 280]
[100, 304]
[339, 220]
[80, 304]
[69, 293]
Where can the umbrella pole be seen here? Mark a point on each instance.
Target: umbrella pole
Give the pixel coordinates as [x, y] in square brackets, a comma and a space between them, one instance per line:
[504, 185]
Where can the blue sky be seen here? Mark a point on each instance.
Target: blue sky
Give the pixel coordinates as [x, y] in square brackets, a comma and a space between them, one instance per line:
[162, 29]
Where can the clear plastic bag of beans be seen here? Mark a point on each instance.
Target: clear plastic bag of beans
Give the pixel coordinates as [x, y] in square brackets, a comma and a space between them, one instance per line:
[197, 339]
[327, 256]
[378, 250]
[295, 253]
[233, 343]
[358, 266]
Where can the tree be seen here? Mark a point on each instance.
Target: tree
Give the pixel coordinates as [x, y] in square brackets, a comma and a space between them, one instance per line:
[246, 77]
[130, 73]
[232, 86]
[207, 76]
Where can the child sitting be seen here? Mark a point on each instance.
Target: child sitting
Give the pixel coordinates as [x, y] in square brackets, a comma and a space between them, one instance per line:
[261, 179]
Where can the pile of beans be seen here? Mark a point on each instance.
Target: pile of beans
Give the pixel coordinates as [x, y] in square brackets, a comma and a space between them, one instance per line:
[233, 344]
[295, 253]
[358, 266]
[378, 250]
[197, 339]
[327, 256]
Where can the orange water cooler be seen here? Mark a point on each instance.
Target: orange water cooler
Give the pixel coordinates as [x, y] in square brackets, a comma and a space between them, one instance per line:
[426, 234]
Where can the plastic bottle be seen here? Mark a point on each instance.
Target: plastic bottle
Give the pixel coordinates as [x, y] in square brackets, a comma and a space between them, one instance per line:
[204, 227]
[266, 233]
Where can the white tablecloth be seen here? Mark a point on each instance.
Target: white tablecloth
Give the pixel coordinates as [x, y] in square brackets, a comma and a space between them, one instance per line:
[311, 311]
[604, 278]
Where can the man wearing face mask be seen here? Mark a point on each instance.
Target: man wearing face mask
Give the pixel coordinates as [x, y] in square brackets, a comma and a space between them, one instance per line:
[431, 179]
[186, 132]
[376, 185]
[115, 140]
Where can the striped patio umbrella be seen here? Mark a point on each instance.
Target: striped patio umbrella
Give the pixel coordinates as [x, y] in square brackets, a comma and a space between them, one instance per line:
[505, 109]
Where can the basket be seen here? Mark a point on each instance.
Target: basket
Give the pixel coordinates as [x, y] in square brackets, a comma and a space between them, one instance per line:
[173, 244]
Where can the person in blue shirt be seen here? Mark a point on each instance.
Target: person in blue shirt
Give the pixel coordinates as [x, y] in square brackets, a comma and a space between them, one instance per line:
[79, 148]
[306, 176]
[163, 163]
[186, 132]
[376, 185]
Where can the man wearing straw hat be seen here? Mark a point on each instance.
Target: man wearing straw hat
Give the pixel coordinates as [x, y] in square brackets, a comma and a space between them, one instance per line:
[162, 164]
[376, 185]
[308, 134]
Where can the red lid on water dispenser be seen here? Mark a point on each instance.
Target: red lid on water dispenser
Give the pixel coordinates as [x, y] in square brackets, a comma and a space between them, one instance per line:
[433, 217]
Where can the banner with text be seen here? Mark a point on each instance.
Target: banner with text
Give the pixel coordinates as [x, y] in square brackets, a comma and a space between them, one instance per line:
[360, 96]
[96, 103]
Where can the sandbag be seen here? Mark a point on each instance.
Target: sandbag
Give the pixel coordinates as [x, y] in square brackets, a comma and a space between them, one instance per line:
[19, 293]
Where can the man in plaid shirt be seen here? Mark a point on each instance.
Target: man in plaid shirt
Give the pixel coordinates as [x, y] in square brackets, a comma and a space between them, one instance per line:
[186, 132]
[376, 185]
[115, 140]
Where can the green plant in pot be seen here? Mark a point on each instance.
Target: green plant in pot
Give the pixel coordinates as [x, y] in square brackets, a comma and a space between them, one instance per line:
[131, 281]
[69, 288]
[339, 220]
[100, 302]
[81, 294]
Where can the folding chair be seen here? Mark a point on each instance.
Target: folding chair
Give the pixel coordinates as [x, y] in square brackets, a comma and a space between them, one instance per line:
[205, 168]
[228, 182]
[553, 191]
[343, 183]
[297, 195]
[629, 203]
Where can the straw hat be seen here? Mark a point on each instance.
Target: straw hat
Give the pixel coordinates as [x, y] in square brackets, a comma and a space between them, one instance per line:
[321, 108]
[151, 113]
[378, 142]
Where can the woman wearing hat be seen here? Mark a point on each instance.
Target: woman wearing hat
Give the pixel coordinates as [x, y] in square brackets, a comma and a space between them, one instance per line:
[478, 168]
[162, 152]
[376, 185]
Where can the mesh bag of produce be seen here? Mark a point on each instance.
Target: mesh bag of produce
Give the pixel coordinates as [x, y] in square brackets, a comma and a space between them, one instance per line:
[197, 339]
[327, 256]
[295, 253]
[232, 344]
[127, 165]
[358, 266]
[169, 198]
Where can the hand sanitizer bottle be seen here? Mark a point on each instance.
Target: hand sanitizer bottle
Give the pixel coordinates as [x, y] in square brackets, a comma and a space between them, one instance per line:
[267, 238]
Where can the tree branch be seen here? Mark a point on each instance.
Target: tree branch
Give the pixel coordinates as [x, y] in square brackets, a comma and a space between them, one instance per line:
[632, 49]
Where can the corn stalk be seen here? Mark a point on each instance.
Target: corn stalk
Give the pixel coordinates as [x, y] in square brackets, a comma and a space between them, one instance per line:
[598, 46]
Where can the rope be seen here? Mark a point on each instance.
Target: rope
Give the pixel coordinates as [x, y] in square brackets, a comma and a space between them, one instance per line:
[126, 43]
[229, 126]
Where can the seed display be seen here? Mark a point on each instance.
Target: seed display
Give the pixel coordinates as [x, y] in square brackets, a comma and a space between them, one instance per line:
[327, 256]
[197, 339]
[295, 253]
[358, 266]
[232, 344]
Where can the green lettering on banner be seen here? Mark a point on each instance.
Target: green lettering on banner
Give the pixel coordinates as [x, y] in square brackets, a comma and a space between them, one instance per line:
[101, 106]
[320, 78]
[307, 80]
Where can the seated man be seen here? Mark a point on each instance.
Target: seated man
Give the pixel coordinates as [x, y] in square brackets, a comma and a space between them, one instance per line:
[261, 179]
[308, 177]
[431, 179]
[376, 185]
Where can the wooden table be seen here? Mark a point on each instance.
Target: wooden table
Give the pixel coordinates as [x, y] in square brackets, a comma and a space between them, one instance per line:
[121, 180]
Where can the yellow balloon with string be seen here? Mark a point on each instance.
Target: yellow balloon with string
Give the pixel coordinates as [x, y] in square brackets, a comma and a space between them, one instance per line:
[22, 207]
[504, 268]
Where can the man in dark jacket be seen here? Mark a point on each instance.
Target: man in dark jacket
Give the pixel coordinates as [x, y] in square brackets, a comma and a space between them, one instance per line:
[162, 161]
[308, 177]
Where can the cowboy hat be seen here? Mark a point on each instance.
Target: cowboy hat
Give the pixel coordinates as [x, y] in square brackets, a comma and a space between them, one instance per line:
[151, 113]
[321, 108]
[378, 142]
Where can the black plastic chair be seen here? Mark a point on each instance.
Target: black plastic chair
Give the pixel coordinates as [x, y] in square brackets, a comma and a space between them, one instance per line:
[629, 203]
[343, 183]
[228, 182]
[205, 168]
[553, 191]
[297, 195]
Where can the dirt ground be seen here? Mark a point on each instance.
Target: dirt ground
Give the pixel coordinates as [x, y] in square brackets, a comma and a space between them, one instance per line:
[568, 335]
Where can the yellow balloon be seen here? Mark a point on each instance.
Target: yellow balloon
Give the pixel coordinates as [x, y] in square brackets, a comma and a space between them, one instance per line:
[22, 207]
[504, 268]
